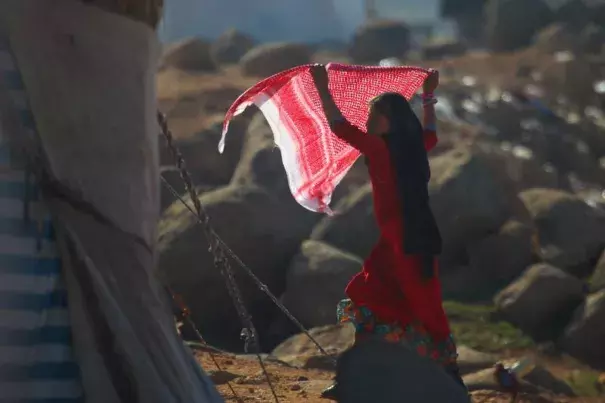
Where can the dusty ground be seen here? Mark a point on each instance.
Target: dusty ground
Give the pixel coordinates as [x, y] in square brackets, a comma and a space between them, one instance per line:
[299, 385]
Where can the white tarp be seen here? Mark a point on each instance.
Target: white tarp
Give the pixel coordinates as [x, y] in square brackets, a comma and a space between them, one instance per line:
[90, 79]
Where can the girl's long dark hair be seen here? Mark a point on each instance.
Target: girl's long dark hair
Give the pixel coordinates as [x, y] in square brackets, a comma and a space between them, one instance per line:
[405, 141]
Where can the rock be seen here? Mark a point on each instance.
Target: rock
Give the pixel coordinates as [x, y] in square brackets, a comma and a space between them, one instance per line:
[557, 38]
[190, 54]
[511, 24]
[231, 46]
[261, 166]
[259, 228]
[541, 301]
[205, 164]
[222, 377]
[469, 197]
[583, 337]
[380, 371]
[356, 178]
[539, 380]
[260, 163]
[301, 352]
[173, 177]
[470, 360]
[573, 77]
[353, 228]
[560, 37]
[503, 256]
[379, 40]
[316, 281]
[542, 378]
[571, 234]
[579, 13]
[441, 50]
[593, 39]
[271, 58]
[597, 280]
[461, 283]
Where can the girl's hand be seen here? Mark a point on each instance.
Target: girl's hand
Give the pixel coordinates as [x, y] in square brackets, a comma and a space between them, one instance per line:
[432, 82]
[320, 76]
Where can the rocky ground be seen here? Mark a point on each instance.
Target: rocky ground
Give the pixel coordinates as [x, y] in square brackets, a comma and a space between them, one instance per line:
[244, 375]
[517, 190]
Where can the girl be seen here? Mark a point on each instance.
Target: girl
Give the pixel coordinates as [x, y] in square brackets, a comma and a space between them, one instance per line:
[397, 295]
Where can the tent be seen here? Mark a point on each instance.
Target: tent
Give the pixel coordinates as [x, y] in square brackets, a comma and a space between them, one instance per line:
[82, 316]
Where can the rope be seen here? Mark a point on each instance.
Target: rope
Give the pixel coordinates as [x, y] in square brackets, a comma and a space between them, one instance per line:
[220, 260]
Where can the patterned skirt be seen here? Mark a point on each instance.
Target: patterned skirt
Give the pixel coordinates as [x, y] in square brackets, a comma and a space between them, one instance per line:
[413, 335]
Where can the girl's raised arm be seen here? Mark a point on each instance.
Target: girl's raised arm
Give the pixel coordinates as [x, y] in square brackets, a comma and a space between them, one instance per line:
[340, 127]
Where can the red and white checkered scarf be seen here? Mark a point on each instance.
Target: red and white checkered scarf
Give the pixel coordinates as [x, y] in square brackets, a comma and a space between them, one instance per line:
[314, 158]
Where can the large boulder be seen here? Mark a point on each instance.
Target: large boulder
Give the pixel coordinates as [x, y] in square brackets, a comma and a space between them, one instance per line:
[205, 164]
[379, 371]
[571, 234]
[470, 198]
[379, 40]
[511, 24]
[572, 77]
[557, 38]
[271, 58]
[584, 336]
[258, 227]
[261, 166]
[541, 300]
[231, 46]
[353, 228]
[443, 49]
[319, 271]
[300, 351]
[502, 256]
[190, 55]
[597, 280]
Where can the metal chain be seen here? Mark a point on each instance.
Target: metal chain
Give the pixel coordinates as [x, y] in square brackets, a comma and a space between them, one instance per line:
[216, 248]
[262, 286]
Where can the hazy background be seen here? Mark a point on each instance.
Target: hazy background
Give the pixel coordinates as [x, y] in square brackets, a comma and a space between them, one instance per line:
[288, 20]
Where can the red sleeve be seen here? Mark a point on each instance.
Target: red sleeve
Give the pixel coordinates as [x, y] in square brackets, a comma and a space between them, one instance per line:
[423, 296]
[430, 139]
[366, 144]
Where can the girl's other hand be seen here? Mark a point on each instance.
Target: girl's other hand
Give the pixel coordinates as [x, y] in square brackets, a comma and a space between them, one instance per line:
[432, 82]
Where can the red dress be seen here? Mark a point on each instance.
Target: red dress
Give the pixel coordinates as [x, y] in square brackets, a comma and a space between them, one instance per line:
[390, 283]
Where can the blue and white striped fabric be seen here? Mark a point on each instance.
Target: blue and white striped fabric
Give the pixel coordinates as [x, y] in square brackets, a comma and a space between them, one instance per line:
[36, 358]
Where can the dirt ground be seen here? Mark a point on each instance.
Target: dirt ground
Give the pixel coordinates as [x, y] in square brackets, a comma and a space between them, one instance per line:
[293, 385]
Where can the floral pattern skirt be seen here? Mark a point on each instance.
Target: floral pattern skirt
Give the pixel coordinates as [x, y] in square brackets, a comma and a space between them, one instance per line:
[413, 335]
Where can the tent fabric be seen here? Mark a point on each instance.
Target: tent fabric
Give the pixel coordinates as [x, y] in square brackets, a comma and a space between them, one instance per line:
[36, 356]
[90, 82]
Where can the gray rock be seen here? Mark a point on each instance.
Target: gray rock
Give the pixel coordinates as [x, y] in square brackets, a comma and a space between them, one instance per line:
[259, 228]
[316, 281]
[511, 24]
[379, 371]
[190, 54]
[271, 58]
[571, 234]
[353, 228]
[231, 46]
[379, 40]
[540, 299]
[585, 333]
